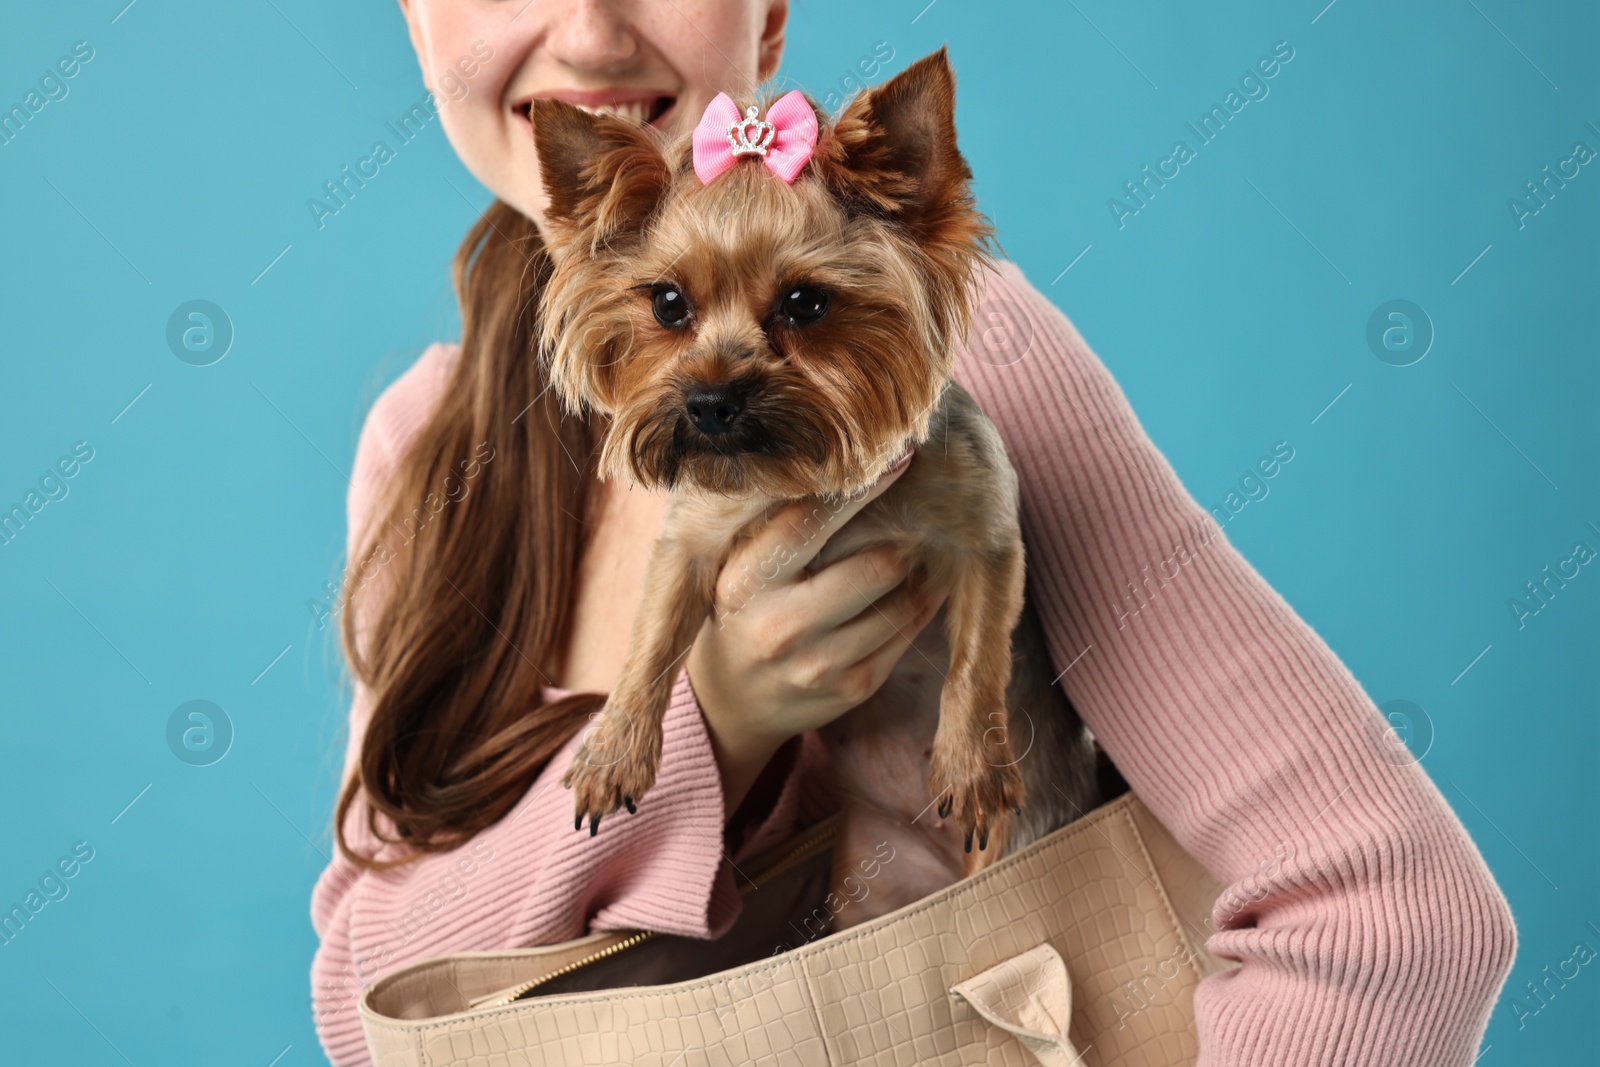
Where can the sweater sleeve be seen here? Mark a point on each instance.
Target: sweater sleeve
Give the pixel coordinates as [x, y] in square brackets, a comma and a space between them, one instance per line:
[529, 879]
[1368, 928]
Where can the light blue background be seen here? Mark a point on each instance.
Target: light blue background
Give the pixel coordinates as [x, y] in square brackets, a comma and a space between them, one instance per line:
[181, 562]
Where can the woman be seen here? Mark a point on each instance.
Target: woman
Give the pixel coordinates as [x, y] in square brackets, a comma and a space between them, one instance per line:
[490, 575]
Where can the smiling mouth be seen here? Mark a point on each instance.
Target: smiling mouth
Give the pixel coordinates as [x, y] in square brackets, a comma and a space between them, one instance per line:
[641, 112]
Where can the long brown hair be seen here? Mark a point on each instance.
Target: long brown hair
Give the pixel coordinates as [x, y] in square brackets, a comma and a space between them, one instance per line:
[465, 622]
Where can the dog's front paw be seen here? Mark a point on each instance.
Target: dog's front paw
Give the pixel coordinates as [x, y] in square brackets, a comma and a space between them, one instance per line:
[613, 768]
[978, 796]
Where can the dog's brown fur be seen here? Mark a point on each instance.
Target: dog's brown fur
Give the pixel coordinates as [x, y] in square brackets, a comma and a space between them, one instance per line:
[883, 220]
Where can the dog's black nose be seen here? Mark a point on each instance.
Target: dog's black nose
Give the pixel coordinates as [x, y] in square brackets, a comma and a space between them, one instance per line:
[713, 409]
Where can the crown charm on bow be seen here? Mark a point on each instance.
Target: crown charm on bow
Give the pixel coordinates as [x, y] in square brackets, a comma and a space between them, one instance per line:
[783, 141]
[739, 135]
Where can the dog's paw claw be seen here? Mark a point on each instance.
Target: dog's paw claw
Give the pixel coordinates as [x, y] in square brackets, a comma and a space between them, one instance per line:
[980, 798]
[603, 782]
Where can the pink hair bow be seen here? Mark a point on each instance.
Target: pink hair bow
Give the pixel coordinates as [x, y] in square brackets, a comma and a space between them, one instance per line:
[783, 141]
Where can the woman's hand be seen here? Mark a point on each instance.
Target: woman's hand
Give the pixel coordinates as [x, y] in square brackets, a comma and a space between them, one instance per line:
[785, 651]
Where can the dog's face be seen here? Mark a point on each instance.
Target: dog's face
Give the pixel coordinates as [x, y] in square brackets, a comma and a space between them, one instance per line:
[751, 335]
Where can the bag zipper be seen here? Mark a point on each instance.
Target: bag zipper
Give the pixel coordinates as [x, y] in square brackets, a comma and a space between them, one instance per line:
[817, 839]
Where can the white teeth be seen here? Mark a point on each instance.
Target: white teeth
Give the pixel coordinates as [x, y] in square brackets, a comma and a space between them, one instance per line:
[635, 112]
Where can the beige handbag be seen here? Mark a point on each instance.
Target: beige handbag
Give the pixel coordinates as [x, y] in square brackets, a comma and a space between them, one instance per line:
[1081, 950]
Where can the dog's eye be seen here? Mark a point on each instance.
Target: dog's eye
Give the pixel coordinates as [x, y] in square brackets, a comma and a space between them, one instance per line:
[804, 305]
[670, 305]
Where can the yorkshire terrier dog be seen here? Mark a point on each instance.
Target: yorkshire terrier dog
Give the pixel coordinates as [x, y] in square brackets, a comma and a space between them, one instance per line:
[768, 310]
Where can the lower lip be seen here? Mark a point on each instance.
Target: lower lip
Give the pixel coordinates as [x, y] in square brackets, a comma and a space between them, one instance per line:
[660, 122]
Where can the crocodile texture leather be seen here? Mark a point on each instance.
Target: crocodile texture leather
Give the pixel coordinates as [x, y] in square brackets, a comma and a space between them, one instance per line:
[1112, 894]
[1029, 996]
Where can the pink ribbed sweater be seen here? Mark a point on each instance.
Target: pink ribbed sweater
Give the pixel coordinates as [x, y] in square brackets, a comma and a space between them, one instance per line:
[1368, 927]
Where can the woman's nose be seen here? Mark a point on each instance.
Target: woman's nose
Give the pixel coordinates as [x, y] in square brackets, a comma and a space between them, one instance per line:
[593, 34]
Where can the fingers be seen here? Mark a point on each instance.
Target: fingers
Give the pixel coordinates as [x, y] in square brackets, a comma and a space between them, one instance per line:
[868, 674]
[845, 588]
[796, 533]
[883, 632]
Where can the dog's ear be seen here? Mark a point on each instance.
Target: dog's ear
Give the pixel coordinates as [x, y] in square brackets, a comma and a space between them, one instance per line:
[893, 148]
[603, 175]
